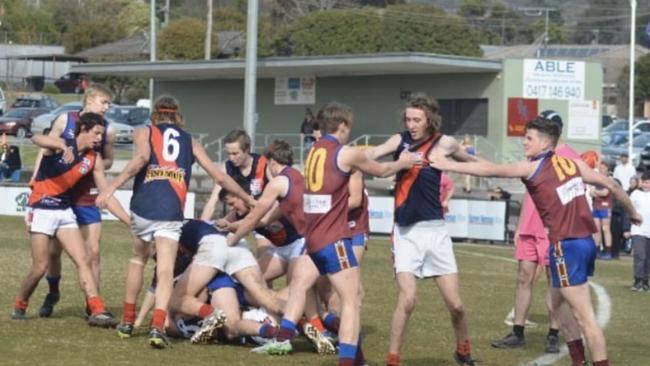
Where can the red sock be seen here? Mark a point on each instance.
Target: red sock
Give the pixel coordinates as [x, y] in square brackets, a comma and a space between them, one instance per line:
[20, 304]
[129, 313]
[392, 359]
[205, 311]
[577, 352]
[96, 305]
[317, 323]
[601, 363]
[158, 319]
[346, 362]
[463, 348]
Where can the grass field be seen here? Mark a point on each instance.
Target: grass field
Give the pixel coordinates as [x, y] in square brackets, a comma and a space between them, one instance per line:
[487, 280]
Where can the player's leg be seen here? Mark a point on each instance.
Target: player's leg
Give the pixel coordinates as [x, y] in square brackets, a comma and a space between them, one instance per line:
[92, 234]
[53, 278]
[251, 279]
[271, 266]
[263, 245]
[190, 284]
[450, 291]
[359, 252]
[567, 324]
[39, 266]
[579, 299]
[607, 231]
[407, 287]
[346, 283]
[526, 271]
[146, 306]
[598, 235]
[134, 280]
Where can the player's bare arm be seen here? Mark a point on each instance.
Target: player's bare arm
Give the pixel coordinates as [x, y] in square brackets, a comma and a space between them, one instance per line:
[448, 146]
[593, 177]
[275, 189]
[112, 204]
[355, 158]
[523, 169]
[51, 145]
[388, 147]
[140, 158]
[208, 209]
[355, 186]
[220, 177]
[56, 130]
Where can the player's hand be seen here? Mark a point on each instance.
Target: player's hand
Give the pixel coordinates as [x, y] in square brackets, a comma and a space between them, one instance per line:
[102, 199]
[440, 163]
[222, 224]
[231, 239]
[408, 159]
[68, 155]
[636, 219]
[627, 235]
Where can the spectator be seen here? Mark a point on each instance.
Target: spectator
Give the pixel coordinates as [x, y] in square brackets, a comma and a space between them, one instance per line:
[498, 193]
[641, 234]
[634, 184]
[620, 226]
[469, 148]
[307, 129]
[446, 191]
[624, 171]
[10, 163]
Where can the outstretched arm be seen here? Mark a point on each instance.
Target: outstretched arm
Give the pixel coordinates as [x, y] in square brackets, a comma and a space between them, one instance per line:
[522, 169]
[208, 209]
[388, 147]
[355, 158]
[112, 204]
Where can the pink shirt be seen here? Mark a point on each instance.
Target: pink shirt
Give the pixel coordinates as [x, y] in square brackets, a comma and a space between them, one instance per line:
[529, 221]
[446, 185]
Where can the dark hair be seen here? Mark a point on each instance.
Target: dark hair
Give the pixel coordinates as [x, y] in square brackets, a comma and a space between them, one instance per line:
[331, 115]
[239, 135]
[430, 108]
[645, 175]
[167, 109]
[280, 151]
[547, 127]
[241, 182]
[87, 122]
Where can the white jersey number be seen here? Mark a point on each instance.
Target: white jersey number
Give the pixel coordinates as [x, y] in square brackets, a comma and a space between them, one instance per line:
[171, 147]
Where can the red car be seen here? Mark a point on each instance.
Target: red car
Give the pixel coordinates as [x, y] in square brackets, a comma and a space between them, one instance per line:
[18, 121]
[72, 83]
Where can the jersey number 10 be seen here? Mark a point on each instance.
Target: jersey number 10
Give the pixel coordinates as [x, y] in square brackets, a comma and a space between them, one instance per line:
[315, 169]
[563, 167]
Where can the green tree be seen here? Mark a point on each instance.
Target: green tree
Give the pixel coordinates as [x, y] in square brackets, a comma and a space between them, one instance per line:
[230, 18]
[183, 39]
[473, 8]
[26, 24]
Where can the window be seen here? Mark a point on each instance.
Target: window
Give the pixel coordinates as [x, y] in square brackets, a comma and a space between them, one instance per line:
[464, 116]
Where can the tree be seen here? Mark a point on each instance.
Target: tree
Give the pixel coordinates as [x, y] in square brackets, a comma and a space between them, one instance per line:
[183, 40]
[288, 11]
[473, 8]
[26, 24]
[605, 21]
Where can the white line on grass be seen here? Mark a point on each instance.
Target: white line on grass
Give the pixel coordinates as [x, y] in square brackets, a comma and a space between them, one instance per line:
[603, 314]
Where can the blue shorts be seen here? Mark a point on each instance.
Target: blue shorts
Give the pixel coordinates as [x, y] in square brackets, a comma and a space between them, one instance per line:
[335, 257]
[87, 215]
[359, 240]
[222, 280]
[602, 213]
[572, 261]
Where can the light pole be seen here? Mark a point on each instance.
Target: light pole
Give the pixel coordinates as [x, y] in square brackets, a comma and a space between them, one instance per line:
[250, 80]
[630, 137]
[152, 43]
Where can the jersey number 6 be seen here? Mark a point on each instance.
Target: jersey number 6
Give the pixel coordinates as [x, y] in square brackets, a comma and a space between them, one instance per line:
[171, 148]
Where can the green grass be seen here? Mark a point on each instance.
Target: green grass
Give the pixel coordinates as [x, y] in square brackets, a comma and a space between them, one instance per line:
[486, 285]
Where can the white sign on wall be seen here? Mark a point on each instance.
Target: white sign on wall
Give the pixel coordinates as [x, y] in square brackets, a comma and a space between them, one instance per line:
[295, 90]
[13, 202]
[554, 79]
[584, 120]
[471, 219]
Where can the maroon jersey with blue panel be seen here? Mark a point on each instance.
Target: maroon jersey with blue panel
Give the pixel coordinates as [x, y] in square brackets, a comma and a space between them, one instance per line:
[326, 195]
[558, 191]
[358, 218]
[291, 204]
[160, 188]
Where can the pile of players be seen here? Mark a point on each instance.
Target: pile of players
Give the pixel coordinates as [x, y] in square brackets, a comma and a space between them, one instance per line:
[311, 227]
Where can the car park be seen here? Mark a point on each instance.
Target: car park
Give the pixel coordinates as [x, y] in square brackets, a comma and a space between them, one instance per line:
[644, 159]
[72, 83]
[3, 102]
[610, 153]
[123, 132]
[45, 120]
[130, 115]
[35, 101]
[18, 121]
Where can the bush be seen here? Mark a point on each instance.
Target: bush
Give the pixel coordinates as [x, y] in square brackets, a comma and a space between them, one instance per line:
[51, 89]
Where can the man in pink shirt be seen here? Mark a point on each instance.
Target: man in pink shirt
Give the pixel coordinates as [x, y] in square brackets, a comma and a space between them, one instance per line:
[446, 191]
[531, 251]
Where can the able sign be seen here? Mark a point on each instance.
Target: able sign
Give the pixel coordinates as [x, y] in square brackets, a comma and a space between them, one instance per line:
[554, 79]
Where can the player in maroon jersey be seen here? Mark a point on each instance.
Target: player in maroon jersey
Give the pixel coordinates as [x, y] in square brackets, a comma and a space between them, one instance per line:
[327, 172]
[556, 186]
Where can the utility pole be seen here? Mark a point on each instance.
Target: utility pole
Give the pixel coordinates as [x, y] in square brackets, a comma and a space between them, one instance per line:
[250, 81]
[533, 11]
[630, 118]
[166, 21]
[152, 43]
[208, 32]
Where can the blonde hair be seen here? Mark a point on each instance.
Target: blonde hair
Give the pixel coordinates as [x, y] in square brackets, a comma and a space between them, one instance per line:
[97, 89]
[167, 109]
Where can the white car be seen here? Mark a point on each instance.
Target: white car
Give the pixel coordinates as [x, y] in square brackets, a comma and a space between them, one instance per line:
[123, 132]
[3, 102]
[44, 121]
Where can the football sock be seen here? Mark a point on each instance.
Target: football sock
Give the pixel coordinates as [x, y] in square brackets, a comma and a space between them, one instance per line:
[553, 332]
[158, 319]
[287, 330]
[577, 352]
[128, 316]
[268, 331]
[463, 348]
[205, 311]
[53, 283]
[392, 359]
[317, 323]
[347, 354]
[96, 305]
[332, 322]
[20, 305]
[518, 330]
[601, 363]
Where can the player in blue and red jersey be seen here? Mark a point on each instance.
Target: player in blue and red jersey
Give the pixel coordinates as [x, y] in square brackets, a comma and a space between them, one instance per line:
[328, 235]
[556, 185]
[422, 247]
[97, 99]
[162, 165]
[65, 162]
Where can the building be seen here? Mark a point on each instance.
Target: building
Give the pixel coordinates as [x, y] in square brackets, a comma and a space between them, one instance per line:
[474, 94]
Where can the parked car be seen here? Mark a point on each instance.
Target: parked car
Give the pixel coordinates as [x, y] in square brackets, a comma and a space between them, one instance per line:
[72, 83]
[18, 121]
[3, 102]
[610, 153]
[123, 132]
[45, 120]
[128, 114]
[644, 159]
[35, 101]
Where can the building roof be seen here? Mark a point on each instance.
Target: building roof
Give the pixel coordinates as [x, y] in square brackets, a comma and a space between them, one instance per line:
[135, 47]
[321, 66]
[613, 58]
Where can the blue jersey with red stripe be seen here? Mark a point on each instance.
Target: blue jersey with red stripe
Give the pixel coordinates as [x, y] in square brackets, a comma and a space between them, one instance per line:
[256, 179]
[55, 180]
[193, 231]
[85, 191]
[417, 192]
[279, 233]
[160, 188]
